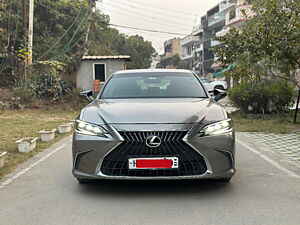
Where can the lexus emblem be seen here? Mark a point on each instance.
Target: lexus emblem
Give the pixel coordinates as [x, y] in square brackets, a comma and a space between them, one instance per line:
[153, 141]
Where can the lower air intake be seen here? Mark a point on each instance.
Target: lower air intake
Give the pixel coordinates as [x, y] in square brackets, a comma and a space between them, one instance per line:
[134, 146]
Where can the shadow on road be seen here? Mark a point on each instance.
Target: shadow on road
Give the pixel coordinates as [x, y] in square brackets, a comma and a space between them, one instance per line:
[154, 188]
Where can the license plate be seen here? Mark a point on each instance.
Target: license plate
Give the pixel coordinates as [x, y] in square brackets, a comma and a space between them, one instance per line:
[153, 163]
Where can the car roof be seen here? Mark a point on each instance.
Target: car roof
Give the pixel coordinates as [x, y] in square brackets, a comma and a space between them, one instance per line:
[152, 71]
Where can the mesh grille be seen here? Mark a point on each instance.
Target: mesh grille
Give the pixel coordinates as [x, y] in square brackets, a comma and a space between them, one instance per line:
[134, 145]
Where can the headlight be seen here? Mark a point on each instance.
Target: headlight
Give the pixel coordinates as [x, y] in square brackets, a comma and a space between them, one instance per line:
[83, 127]
[221, 127]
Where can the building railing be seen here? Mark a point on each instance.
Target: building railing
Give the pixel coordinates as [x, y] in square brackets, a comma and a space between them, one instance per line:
[227, 6]
[200, 48]
[8, 58]
[197, 29]
[214, 43]
[186, 55]
[223, 32]
[216, 18]
[190, 39]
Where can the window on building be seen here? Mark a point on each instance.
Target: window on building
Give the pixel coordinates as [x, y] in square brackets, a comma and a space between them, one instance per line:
[232, 14]
[99, 72]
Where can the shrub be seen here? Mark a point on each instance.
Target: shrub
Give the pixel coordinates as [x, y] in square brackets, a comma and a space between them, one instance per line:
[22, 90]
[46, 86]
[51, 86]
[262, 97]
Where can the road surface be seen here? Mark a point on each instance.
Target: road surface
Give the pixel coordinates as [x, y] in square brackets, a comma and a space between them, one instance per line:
[265, 190]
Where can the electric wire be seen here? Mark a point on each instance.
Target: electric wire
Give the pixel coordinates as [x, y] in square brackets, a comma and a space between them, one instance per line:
[148, 19]
[58, 57]
[148, 30]
[67, 47]
[62, 36]
[152, 11]
[164, 9]
[137, 13]
[135, 28]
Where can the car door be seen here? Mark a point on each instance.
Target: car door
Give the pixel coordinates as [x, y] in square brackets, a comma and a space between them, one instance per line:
[207, 84]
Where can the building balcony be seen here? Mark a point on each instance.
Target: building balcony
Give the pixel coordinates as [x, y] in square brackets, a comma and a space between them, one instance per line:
[199, 49]
[240, 18]
[215, 19]
[190, 39]
[223, 32]
[227, 6]
[197, 30]
[186, 55]
[214, 43]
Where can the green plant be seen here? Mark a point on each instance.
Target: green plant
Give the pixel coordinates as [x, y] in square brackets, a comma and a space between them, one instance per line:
[262, 96]
[50, 86]
[52, 67]
[45, 85]
[22, 90]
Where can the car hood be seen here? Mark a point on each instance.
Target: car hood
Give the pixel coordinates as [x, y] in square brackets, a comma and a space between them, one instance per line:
[153, 111]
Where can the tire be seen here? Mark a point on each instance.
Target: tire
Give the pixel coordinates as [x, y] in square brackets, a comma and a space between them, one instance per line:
[220, 87]
[84, 181]
[225, 180]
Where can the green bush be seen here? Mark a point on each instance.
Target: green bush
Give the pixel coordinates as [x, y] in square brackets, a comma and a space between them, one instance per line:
[262, 97]
[22, 90]
[45, 86]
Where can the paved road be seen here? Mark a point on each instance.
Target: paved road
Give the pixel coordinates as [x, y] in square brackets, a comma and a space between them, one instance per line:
[265, 190]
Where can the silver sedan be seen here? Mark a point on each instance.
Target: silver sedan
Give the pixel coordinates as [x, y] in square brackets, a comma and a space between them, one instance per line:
[154, 124]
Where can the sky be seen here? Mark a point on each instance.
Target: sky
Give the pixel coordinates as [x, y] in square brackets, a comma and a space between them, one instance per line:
[179, 18]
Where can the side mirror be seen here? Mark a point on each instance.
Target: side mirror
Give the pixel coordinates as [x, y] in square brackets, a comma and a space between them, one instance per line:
[88, 95]
[219, 94]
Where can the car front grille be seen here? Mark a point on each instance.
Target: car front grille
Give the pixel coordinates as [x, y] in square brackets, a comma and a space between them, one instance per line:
[134, 145]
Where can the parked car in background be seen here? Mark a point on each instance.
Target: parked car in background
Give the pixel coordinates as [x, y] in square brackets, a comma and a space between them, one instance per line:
[212, 85]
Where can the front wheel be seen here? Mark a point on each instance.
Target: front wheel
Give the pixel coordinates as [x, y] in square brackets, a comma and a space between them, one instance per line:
[220, 87]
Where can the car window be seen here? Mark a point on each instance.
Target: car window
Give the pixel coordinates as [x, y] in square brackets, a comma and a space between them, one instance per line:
[154, 85]
[205, 80]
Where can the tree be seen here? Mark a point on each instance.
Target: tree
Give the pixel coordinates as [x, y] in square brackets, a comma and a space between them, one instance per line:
[140, 51]
[60, 31]
[268, 45]
[174, 61]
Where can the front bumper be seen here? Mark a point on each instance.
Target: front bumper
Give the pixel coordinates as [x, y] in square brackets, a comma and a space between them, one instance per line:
[207, 175]
[218, 153]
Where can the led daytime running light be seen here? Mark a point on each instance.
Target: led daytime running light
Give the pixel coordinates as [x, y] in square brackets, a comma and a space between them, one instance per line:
[83, 127]
[217, 128]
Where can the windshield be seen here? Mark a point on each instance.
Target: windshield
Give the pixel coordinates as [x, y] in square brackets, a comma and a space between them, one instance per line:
[154, 85]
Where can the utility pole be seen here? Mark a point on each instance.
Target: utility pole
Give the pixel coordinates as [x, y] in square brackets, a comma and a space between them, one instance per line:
[30, 31]
[24, 18]
[86, 51]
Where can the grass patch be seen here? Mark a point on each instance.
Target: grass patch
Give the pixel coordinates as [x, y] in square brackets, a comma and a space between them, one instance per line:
[27, 123]
[278, 124]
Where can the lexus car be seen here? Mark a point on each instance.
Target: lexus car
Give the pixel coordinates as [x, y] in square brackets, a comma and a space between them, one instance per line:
[154, 124]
